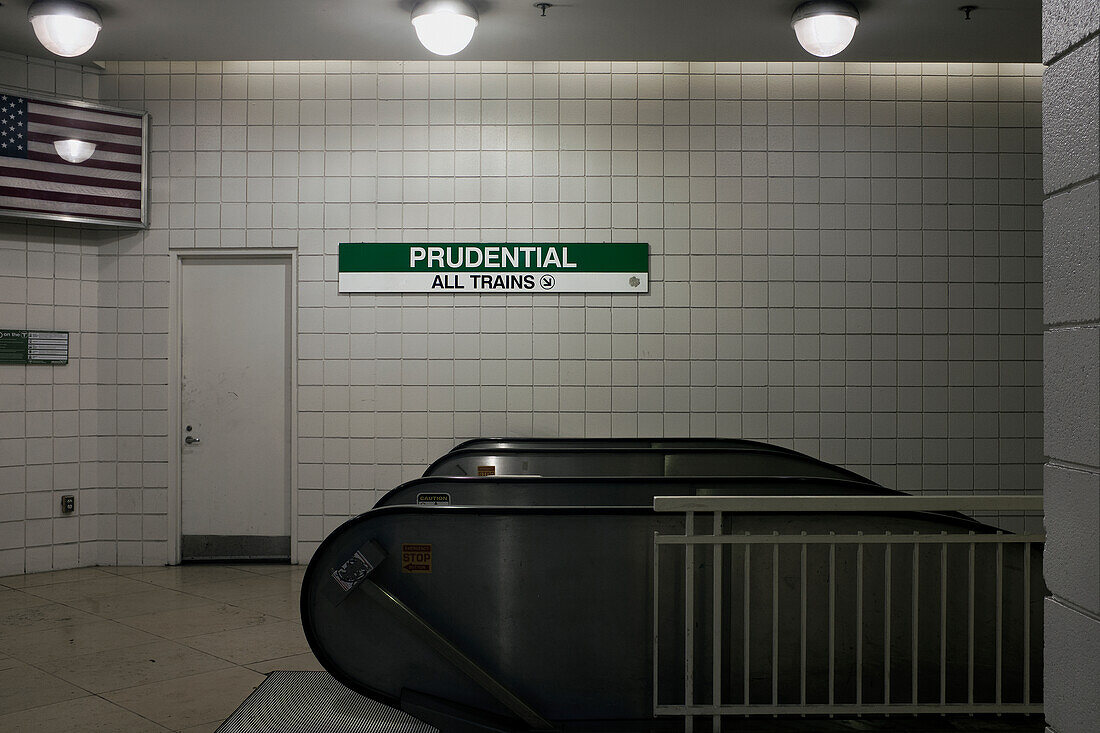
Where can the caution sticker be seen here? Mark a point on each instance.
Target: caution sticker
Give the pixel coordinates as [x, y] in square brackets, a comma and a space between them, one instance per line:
[416, 558]
[437, 499]
[486, 470]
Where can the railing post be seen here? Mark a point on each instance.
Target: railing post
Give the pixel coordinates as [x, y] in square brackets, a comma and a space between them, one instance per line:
[689, 621]
[832, 619]
[943, 622]
[859, 622]
[716, 641]
[802, 655]
[656, 618]
[916, 603]
[970, 630]
[886, 630]
[1000, 595]
[1027, 623]
[775, 622]
[745, 644]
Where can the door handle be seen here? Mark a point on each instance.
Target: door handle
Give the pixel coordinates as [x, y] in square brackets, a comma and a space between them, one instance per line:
[191, 440]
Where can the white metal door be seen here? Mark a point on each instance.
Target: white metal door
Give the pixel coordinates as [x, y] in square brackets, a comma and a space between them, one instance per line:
[234, 431]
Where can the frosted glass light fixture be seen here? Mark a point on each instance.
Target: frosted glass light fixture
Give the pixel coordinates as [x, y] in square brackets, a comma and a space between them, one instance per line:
[74, 151]
[444, 27]
[824, 27]
[65, 27]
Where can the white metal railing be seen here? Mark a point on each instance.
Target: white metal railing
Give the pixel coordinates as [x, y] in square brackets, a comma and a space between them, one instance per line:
[881, 612]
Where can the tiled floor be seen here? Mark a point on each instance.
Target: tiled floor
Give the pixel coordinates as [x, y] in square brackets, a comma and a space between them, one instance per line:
[143, 649]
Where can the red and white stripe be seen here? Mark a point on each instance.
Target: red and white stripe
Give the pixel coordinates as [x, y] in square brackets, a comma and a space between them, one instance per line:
[106, 186]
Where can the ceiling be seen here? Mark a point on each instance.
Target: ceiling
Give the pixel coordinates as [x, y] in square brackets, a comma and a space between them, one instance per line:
[637, 30]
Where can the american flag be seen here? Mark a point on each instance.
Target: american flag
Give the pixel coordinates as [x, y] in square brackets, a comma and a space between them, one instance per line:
[35, 180]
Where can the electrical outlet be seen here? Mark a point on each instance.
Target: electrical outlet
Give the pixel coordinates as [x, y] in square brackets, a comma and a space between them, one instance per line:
[68, 504]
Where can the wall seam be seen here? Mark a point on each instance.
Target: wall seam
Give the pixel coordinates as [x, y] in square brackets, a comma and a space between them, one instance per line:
[1071, 48]
[1072, 186]
[1072, 465]
[1070, 605]
[1072, 326]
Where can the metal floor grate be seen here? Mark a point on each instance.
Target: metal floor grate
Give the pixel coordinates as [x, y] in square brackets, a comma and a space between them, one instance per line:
[314, 702]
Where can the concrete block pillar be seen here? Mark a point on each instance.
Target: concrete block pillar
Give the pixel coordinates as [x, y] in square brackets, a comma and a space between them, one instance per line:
[1071, 314]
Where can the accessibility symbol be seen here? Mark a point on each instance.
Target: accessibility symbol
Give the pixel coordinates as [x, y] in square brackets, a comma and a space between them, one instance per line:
[547, 282]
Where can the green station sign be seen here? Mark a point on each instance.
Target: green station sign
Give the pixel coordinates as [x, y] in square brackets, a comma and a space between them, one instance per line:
[493, 268]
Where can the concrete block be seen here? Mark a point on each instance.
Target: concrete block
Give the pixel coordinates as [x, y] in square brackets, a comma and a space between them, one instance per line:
[1071, 118]
[1071, 669]
[1071, 256]
[1071, 560]
[1071, 394]
[1065, 22]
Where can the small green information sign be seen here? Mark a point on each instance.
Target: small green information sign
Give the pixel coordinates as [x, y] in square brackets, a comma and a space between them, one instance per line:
[34, 347]
[493, 268]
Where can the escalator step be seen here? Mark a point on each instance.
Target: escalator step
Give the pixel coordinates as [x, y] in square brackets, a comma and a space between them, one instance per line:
[314, 702]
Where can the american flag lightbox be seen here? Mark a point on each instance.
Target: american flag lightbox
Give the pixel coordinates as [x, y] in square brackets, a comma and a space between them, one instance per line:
[46, 171]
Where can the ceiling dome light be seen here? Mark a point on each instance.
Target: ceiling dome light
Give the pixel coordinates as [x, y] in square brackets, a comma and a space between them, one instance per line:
[824, 27]
[65, 27]
[444, 27]
[74, 151]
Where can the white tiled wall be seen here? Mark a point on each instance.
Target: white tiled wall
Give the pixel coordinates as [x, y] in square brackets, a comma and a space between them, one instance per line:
[56, 433]
[845, 259]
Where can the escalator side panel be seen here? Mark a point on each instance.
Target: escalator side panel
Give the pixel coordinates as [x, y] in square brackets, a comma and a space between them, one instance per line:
[556, 604]
[626, 491]
[635, 462]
